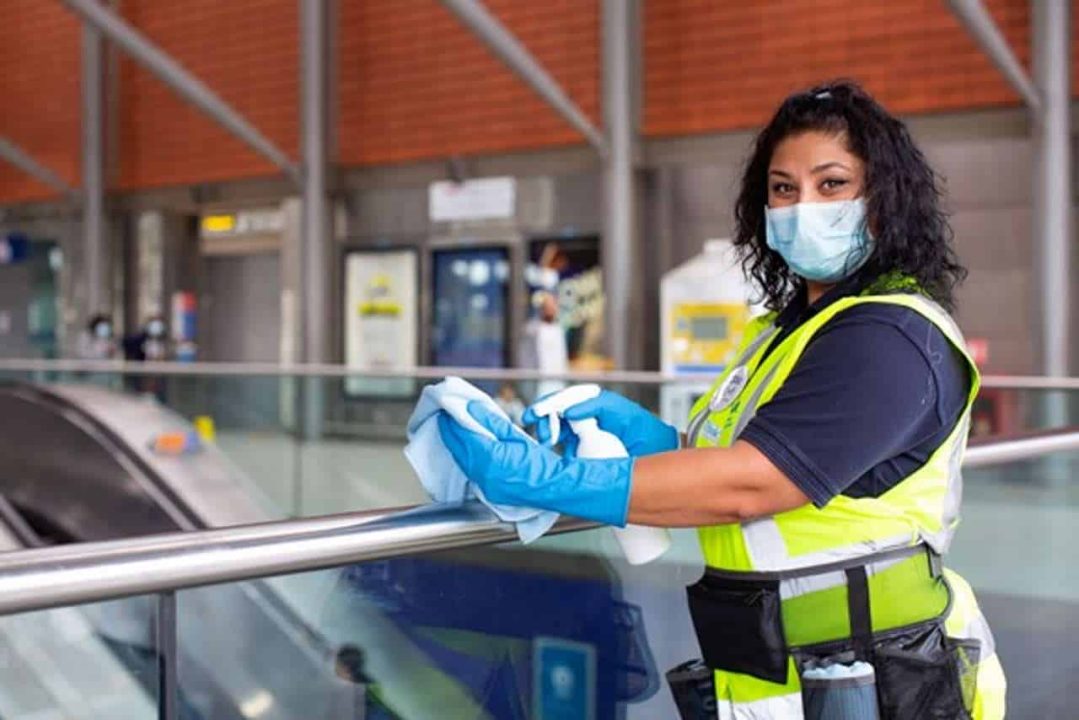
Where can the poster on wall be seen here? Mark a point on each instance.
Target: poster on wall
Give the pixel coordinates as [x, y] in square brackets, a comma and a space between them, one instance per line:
[380, 320]
[568, 271]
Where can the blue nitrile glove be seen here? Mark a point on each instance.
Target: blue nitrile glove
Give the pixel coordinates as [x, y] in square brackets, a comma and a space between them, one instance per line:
[513, 470]
[639, 430]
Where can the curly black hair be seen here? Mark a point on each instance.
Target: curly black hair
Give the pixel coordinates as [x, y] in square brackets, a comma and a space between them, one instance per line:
[911, 231]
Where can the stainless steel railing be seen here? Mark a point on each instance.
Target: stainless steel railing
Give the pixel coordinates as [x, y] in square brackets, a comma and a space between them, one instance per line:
[204, 369]
[51, 577]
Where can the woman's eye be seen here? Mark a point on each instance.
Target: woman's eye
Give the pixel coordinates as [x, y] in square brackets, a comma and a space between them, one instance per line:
[782, 188]
[833, 184]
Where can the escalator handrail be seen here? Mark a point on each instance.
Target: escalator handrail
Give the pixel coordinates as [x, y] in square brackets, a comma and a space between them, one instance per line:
[52, 577]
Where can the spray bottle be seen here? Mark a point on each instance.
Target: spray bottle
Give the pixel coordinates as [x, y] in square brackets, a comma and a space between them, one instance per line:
[640, 544]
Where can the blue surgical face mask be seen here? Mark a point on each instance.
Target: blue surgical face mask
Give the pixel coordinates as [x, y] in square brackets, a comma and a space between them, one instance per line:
[823, 242]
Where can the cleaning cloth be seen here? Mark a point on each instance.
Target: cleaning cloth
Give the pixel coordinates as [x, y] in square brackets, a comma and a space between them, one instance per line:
[435, 466]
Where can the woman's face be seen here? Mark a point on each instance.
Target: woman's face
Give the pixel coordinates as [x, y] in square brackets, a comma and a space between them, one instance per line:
[814, 166]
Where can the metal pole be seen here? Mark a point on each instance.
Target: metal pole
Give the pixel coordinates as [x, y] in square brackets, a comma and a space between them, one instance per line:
[502, 43]
[179, 79]
[93, 190]
[167, 674]
[21, 159]
[979, 23]
[620, 202]
[315, 239]
[1053, 177]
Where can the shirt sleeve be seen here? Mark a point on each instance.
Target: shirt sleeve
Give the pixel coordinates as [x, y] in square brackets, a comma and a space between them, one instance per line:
[864, 391]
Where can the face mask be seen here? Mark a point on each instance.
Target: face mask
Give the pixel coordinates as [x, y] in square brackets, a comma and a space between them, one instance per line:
[103, 331]
[155, 328]
[824, 242]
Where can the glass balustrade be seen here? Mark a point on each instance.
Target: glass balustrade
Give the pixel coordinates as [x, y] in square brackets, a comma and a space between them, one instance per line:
[561, 626]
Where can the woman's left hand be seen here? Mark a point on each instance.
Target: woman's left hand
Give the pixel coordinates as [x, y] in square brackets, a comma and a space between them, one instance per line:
[512, 469]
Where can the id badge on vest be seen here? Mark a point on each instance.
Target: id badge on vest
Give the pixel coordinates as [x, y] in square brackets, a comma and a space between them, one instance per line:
[721, 398]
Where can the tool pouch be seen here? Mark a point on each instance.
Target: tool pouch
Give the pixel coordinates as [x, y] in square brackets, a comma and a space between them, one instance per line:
[739, 625]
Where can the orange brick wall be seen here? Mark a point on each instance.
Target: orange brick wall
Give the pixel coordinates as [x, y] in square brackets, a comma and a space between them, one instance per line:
[414, 83]
[247, 51]
[724, 65]
[39, 92]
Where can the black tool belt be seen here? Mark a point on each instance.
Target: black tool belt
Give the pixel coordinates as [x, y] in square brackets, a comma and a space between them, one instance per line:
[738, 615]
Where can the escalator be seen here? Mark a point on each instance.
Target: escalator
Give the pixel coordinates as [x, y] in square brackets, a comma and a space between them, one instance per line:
[426, 636]
[76, 466]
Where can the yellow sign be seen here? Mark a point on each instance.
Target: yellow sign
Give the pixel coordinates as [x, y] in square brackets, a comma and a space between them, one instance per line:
[218, 223]
[704, 334]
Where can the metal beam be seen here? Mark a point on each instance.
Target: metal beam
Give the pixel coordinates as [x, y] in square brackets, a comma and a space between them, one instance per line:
[619, 246]
[979, 23]
[21, 159]
[1053, 224]
[179, 79]
[93, 188]
[498, 38]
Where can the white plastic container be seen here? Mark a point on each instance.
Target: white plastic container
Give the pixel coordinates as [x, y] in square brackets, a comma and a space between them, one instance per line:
[640, 544]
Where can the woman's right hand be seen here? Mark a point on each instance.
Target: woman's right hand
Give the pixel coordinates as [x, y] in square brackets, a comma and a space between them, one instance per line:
[640, 431]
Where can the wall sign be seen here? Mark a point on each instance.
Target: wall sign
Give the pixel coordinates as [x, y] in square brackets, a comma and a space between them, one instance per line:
[482, 199]
[380, 317]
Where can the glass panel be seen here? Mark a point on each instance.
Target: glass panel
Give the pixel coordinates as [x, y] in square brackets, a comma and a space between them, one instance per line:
[298, 446]
[82, 662]
[503, 631]
[1017, 547]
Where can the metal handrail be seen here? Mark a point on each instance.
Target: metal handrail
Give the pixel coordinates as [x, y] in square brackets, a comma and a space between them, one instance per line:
[88, 572]
[225, 369]
[1023, 447]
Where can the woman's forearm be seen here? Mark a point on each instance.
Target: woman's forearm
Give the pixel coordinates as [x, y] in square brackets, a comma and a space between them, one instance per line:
[711, 486]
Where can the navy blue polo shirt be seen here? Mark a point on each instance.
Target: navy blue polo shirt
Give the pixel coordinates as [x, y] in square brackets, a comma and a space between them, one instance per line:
[877, 390]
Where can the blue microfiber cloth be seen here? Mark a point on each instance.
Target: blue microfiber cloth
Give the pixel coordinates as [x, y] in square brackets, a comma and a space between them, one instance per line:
[435, 466]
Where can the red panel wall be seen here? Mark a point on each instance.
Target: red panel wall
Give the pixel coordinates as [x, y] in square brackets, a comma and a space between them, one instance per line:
[721, 65]
[39, 92]
[247, 51]
[414, 83]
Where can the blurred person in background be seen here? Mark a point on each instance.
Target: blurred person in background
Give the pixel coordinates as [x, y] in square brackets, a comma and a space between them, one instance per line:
[543, 345]
[97, 342]
[149, 343]
[823, 467]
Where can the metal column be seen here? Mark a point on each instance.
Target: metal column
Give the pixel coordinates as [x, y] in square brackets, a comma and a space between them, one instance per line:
[1053, 177]
[94, 250]
[619, 246]
[316, 240]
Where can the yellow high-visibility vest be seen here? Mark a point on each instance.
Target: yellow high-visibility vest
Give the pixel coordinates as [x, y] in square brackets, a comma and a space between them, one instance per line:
[922, 508]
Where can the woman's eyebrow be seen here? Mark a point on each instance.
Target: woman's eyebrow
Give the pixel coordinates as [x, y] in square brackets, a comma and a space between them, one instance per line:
[781, 173]
[827, 166]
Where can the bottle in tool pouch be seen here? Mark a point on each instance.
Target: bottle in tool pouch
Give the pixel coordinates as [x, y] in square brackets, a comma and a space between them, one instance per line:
[639, 544]
[840, 692]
